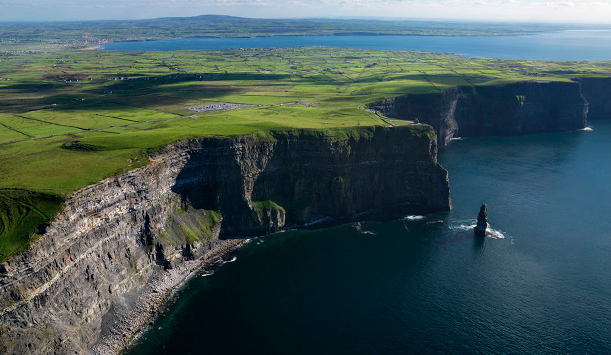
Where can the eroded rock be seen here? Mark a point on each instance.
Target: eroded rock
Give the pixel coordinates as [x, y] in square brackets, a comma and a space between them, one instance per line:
[482, 222]
[145, 230]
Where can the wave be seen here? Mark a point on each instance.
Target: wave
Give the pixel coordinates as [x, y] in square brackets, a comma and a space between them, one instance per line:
[411, 217]
[470, 224]
[223, 262]
[462, 225]
[359, 229]
[494, 234]
[588, 129]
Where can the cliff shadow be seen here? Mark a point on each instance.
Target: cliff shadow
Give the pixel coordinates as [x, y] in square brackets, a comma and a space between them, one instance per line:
[330, 181]
[219, 175]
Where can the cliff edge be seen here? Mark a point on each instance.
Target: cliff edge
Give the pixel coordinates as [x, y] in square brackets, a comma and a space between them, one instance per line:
[118, 247]
[513, 109]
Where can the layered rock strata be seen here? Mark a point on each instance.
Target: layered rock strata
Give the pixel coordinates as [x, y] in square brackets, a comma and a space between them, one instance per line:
[119, 246]
[513, 109]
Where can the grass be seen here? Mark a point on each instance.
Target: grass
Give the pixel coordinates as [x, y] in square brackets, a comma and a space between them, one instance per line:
[9, 135]
[71, 118]
[263, 207]
[63, 97]
[191, 226]
[57, 36]
[23, 214]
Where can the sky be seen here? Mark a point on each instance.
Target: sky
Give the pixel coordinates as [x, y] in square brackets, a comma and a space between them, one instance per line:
[584, 11]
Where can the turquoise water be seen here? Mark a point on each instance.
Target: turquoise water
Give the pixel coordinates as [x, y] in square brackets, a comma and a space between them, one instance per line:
[565, 45]
[424, 284]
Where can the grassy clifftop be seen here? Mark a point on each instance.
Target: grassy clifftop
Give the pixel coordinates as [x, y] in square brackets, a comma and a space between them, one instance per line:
[69, 119]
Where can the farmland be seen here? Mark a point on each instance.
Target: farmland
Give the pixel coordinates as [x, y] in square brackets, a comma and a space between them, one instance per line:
[71, 118]
[120, 103]
[36, 36]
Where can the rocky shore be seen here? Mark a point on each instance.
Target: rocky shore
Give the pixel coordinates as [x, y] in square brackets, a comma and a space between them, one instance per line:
[111, 258]
[120, 326]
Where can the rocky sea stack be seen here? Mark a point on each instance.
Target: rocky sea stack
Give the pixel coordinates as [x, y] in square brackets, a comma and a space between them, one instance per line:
[482, 222]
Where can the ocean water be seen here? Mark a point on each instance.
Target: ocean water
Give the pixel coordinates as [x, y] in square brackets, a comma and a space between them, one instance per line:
[424, 284]
[575, 45]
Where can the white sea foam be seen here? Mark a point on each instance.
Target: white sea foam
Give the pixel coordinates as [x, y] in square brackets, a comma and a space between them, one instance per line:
[207, 274]
[411, 217]
[470, 224]
[587, 129]
[229, 261]
[359, 228]
[463, 226]
[494, 234]
[457, 139]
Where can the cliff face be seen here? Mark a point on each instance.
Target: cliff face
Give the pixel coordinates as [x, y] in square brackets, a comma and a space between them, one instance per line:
[137, 235]
[514, 109]
[312, 177]
[598, 93]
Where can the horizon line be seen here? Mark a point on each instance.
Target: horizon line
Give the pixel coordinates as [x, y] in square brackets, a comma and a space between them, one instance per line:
[340, 18]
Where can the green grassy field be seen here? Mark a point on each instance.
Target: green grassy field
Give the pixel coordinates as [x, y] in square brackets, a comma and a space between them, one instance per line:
[69, 119]
[23, 215]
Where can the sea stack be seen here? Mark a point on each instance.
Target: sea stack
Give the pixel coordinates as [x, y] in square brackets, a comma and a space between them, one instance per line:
[482, 222]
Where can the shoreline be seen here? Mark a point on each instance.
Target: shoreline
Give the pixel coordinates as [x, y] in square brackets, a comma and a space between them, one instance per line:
[90, 48]
[125, 327]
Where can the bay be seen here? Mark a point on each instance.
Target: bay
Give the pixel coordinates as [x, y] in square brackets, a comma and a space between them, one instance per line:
[573, 45]
[425, 284]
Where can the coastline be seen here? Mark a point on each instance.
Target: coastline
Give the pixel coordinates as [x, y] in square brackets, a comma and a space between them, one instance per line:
[90, 48]
[124, 327]
[118, 250]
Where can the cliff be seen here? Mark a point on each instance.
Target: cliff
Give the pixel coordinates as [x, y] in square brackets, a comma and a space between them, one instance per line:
[513, 109]
[122, 243]
[598, 93]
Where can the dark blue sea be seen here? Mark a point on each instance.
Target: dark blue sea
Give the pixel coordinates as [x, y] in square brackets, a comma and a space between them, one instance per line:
[576, 45]
[541, 284]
